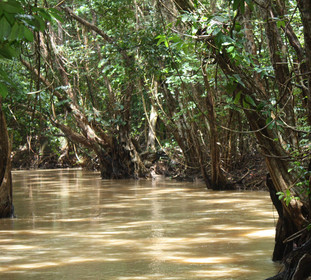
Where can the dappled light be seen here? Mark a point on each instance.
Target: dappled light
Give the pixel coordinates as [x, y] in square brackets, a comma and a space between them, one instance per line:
[261, 233]
[77, 228]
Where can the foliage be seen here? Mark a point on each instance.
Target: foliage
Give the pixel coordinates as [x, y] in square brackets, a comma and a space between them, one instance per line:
[287, 196]
[147, 46]
[17, 26]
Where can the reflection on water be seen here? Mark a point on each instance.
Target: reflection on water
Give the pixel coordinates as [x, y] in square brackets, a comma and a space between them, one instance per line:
[73, 225]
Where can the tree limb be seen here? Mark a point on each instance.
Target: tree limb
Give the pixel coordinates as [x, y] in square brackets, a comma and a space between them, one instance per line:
[88, 24]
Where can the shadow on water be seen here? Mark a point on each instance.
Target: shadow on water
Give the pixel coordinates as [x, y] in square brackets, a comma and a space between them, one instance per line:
[73, 225]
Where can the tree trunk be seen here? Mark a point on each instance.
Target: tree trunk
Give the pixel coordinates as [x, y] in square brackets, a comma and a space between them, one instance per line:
[278, 56]
[217, 178]
[284, 227]
[305, 12]
[152, 128]
[116, 163]
[6, 199]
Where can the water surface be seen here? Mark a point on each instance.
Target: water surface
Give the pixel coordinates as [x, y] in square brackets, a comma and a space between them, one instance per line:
[73, 225]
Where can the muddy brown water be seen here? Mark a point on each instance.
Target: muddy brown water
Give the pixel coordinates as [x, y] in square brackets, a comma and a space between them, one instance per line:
[72, 225]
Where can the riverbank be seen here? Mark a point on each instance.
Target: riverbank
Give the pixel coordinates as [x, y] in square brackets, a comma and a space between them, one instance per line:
[249, 174]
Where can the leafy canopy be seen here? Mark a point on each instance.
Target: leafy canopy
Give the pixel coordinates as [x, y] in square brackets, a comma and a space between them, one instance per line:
[18, 26]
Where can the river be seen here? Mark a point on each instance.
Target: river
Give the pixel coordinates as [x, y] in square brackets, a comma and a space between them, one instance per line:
[72, 225]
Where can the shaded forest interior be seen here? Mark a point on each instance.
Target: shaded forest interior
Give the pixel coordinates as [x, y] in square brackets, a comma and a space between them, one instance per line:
[216, 90]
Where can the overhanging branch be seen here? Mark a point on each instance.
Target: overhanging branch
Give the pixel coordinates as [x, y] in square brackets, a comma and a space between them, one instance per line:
[88, 24]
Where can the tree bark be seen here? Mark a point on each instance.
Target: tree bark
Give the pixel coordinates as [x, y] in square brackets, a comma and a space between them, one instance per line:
[6, 197]
[184, 5]
[278, 57]
[305, 13]
[218, 181]
[152, 129]
[284, 226]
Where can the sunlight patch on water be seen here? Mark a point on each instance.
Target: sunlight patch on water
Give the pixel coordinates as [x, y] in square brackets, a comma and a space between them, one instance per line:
[156, 277]
[226, 227]
[61, 262]
[265, 233]
[207, 260]
[17, 247]
[9, 259]
[222, 272]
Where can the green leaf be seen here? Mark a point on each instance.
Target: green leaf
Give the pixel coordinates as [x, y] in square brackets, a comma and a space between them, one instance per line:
[10, 18]
[237, 4]
[175, 39]
[56, 14]
[280, 195]
[260, 106]
[242, 7]
[161, 39]
[12, 7]
[250, 100]
[5, 29]
[45, 15]
[39, 23]
[3, 90]
[7, 51]
[245, 104]
[238, 79]
[16, 32]
[230, 49]
[237, 98]
[270, 122]
[289, 199]
[280, 23]
[28, 35]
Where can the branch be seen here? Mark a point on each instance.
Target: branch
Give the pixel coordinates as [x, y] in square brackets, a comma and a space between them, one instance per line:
[88, 24]
[83, 124]
[43, 80]
[72, 135]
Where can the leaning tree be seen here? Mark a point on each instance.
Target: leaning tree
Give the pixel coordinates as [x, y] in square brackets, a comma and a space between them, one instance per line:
[17, 27]
[263, 51]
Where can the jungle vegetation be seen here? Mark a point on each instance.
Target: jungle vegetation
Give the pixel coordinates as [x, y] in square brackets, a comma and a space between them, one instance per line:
[122, 84]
